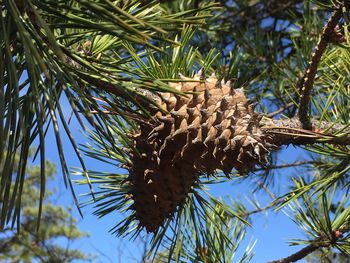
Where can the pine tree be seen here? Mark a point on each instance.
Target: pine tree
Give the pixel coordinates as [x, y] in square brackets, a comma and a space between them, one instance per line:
[180, 95]
[57, 223]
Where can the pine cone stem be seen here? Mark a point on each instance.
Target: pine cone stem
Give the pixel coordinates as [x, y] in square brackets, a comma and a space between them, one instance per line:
[290, 131]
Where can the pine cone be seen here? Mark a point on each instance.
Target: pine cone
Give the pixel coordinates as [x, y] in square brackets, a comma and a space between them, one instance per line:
[212, 127]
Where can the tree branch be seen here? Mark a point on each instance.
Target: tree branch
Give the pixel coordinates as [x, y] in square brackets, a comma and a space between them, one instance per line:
[261, 209]
[298, 255]
[308, 79]
[280, 110]
[286, 165]
[291, 131]
[320, 242]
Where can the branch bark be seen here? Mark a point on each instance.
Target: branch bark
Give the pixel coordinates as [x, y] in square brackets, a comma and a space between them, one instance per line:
[320, 242]
[307, 82]
[291, 131]
[298, 255]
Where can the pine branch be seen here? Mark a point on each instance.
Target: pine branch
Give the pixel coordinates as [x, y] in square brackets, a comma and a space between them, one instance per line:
[291, 131]
[328, 35]
[321, 242]
[298, 255]
[286, 165]
[101, 84]
[281, 109]
[273, 204]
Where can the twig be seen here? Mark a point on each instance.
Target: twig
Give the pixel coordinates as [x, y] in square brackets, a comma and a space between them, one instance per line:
[99, 83]
[283, 108]
[286, 165]
[76, 67]
[262, 209]
[320, 242]
[298, 255]
[267, 190]
[309, 76]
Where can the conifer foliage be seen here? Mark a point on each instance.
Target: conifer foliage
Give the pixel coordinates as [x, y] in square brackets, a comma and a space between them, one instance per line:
[180, 95]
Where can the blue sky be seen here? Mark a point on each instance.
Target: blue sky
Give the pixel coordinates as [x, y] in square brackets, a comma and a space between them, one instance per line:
[270, 230]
